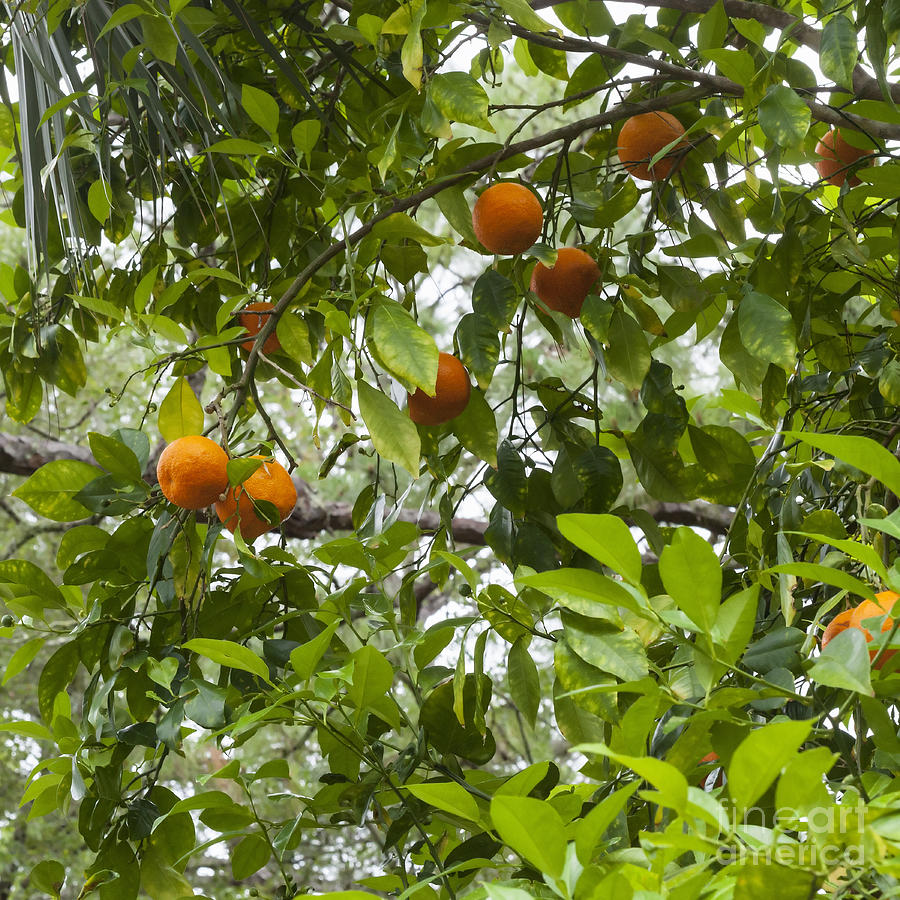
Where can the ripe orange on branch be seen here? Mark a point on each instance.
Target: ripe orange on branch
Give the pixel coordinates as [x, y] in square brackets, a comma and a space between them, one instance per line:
[642, 137]
[564, 286]
[253, 317]
[837, 155]
[270, 482]
[853, 618]
[191, 472]
[507, 218]
[451, 394]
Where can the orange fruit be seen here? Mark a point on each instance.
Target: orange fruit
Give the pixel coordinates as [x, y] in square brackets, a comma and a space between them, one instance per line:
[841, 622]
[853, 618]
[269, 482]
[565, 286]
[253, 318]
[642, 137]
[507, 218]
[451, 394]
[836, 156]
[191, 472]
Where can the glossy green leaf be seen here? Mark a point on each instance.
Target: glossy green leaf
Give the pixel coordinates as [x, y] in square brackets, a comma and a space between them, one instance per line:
[460, 98]
[50, 491]
[844, 663]
[476, 428]
[607, 538]
[393, 434]
[628, 356]
[524, 681]
[447, 796]
[261, 107]
[838, 51]
[767, 330]
[230, 654]
[533, 829]
[759, 758]
[692, 575]
[180, 412]
[249, 856]
[405, 349]
[783, 116]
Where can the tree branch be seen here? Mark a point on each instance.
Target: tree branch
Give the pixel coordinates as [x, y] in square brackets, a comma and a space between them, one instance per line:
[23, 455]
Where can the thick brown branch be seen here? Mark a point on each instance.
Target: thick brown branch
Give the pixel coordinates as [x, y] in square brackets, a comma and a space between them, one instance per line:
[23, 455]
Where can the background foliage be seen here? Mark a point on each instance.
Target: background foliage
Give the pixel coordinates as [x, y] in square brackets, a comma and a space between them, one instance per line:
[490, 658]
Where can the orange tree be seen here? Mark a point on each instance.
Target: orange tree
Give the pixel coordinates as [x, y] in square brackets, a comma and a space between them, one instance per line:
[647, 588]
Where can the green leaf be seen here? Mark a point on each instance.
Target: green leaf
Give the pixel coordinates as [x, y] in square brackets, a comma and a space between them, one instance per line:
[372, 676]
[22, 657]
[607, 538]
[584, 591]
[249, 856]
[759, 758]
[861, 452]
[692, 575]
[767, 330]
[735, 621]
[230, 654]
[99, 201]
[628, 356]
[827, 575]
[476, 428]
[757, 879]
[305, 658]
[24, 394]
[592, 827]
[889, 382]
[305, 135]
[838, 51]
[411, 53]
[293, 335]
[117, 458]
[48, 876]
[180, 413]
[523, 680]
[447, 796]
[159, 36]
[404, 348]
[522, 14]
[479, 347]
[845, 663]
[50, 491]
[460, 98]
[393, 434]
[617, 652]
[783, 116]
[534, 829]
[713, 28]
[262, 108]
[494, 297]
[400, 226]
[453, 204]
[509, 484]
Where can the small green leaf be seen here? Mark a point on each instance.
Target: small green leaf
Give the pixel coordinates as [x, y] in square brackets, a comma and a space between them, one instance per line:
[524, 681]
[607, 538]
[783, 116]
[404, 348]
[50, 491]
[448, 796]
[628, 356]
[759, 758]
[230, 654]
[261, 107]
[180, 413]
[479, 347]
[99, 201]
[692, 576]
[305, 135]
[845, 663]
[534, 829]
[399, 226]
[249, 856]
[305, 658]
[460, 98]
[476, 428]
[114, 456]
[372, 676]
[393, 434]
[767, 330]
[838, 51]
